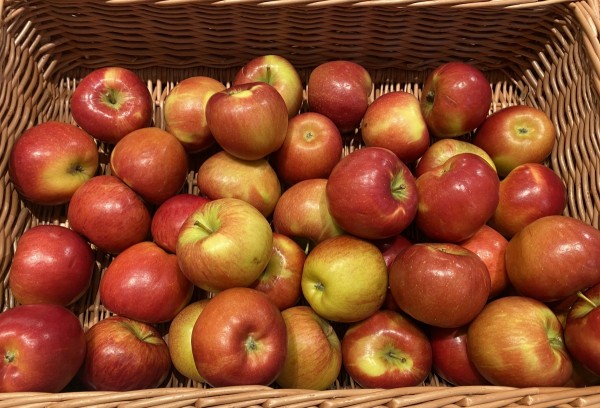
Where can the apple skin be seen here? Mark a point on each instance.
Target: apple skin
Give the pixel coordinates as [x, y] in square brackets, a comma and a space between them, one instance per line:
[530, 191]
[225, 243]
[394, 121]
[372, 194]
[553, 257]
[109, 214]
[152, 162]
[278, 72]
[440, 284]
[582, 329]
[240, 338]
[456, 198]
[52, 264]
[123, 355]
[50, 161]
[314, 355]
[111, 102]
[312, 147]
[456, 99]
[340, 90]
[443, 149]
[516, 135]
[31, 338]
[517, 341]
[249, 121]
[344, 279]
[386, 350]
[184, 112]
[254, 181]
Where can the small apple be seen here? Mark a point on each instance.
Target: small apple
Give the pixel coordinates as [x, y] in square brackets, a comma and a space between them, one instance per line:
[582, 329]
[443, 149]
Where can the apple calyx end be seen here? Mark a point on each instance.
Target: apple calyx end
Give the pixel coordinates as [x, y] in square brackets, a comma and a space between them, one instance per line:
[9, 357]
[251, 344]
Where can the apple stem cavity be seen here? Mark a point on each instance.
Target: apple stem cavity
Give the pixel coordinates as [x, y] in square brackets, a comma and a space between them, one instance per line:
[203, 227]
[398, 187]
[587, 299]
[111, 98]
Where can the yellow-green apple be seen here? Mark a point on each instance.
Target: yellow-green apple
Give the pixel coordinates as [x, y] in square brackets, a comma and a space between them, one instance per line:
[455, 99]
[49, 161]
[516, 135]
[442, 149]
[582, 329]
[170, 216]
[111, 102]
[240, 338]
[386, 350]
[225, 243]
[440, 284]
[52, 264]
[554, 257]
[254, 181]
[457, 198]
[152, 162]
[528, 192]
[314, 355]
[248, 120]
[517, 341]
[372, 194]
[144, 283]
[302, 213]
[344, 279]
[280, 280]
[394, 121]
[278, 72]
[124, 354]
[340, 90]
[312, 147]
[184, 112]
[42, 348]
[109, 214]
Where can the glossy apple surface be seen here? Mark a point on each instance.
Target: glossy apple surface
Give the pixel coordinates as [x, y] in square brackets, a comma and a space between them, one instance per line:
[443, 149]
[582, 329]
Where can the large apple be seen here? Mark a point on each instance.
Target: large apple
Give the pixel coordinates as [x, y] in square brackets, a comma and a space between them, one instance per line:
[42, 348]
[372, 194]
[49, 161]
[52, 264]
[582, 329]
[443, 149]
[239, 338]
[111, 102]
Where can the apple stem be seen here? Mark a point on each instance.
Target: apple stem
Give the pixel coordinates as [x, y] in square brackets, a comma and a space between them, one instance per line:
[203, 226]
[587, 299]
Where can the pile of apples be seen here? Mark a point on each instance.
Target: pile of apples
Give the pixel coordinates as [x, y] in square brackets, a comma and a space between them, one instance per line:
[437, 245]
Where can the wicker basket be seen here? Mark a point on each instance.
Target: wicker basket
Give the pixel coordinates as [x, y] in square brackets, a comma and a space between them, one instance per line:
[541, 53]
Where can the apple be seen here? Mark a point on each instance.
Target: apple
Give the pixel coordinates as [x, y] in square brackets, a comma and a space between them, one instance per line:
[443, 149]
[386, 350]
[240, 338]
[51, 160]
[344, 279]
[312, 147]
[372, 194]
[582, 331]
[553, 257]
[391, 247]
[457, 198]
[254, 181]
[528, 192]
[455, 99]
[394, 121]
[109, 214]
[440, 284]
[52, 264]
[314, 355]
[42, 348]
[340, 90]
[185, 115]
[248, 120]
[111, 102]
[278, 72]
[124, 354]
[517, 341]
[516, 135]
[225, 243]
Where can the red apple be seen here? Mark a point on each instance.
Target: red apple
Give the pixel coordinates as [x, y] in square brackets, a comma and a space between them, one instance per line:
[52, 264]
[443, 149]
[391, 247]
[124, 354]
[582, 329]
[111, 102]
[372, 194]
[248, 120]
[42, 347]
[340, 90]
[49, 161]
